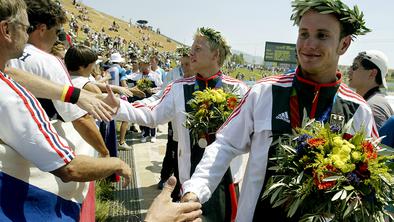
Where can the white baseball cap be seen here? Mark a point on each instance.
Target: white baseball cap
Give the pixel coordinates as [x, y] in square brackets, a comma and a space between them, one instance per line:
[116, 57]
[380, 60]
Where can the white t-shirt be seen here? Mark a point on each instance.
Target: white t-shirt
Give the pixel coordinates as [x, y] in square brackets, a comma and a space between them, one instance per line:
[26, 128]
[154, 77]
[52, 68]
[79, 81]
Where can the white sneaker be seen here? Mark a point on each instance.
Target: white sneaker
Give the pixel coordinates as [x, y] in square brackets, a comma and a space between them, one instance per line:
[143, 139]
[124, 146]
[153, 139]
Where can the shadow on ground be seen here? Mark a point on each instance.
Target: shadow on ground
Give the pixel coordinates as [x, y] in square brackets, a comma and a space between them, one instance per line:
[155, 167]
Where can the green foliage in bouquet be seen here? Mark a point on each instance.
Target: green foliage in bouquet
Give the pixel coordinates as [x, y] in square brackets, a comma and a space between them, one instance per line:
[144, 84]
[321, 173]
[210, 109]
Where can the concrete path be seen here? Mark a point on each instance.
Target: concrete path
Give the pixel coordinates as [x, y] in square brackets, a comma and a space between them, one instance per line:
[132, 203]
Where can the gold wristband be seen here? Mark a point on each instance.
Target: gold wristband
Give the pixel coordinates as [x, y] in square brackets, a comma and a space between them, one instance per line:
[64, 93]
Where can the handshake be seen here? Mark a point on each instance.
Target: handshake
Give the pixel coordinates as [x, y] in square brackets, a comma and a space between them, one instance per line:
[164, 210]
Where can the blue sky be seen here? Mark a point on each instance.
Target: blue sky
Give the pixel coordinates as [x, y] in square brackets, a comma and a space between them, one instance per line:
[248, 24]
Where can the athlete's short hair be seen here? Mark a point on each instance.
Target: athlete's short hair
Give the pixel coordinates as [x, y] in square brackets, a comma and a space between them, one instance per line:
[78, 56]
[45, 12]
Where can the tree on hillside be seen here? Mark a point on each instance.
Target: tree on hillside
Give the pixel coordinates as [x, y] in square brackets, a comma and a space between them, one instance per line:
[238, 59]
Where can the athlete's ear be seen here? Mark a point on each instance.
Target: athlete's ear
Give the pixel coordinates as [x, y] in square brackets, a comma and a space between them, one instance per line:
[40, 28]
[344, 44]
[216, 55]
[5, 30]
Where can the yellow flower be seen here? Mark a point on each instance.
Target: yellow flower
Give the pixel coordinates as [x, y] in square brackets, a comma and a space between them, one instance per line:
[337, 160]
[218, 96]
[337, 141]
[356, 155]
[348, 168]
[345, 150]
[210, 106]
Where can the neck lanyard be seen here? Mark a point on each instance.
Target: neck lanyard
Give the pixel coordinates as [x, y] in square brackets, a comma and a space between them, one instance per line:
[295, 109]
[206, 81]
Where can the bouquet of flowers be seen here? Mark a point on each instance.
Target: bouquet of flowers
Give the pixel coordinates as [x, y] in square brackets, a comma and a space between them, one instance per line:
[210, 109]
[322, 174]
[144, 84]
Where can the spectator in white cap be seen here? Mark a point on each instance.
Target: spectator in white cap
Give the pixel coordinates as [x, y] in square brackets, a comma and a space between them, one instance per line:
[118, 75]
[367, 75]
[116, 70]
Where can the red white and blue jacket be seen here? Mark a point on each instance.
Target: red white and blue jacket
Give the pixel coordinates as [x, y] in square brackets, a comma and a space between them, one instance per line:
[264, 111]
[171, 107]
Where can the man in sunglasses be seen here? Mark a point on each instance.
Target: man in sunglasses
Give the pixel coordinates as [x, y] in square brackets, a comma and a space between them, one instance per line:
[31, 149]
[367, 76]
[46, 19]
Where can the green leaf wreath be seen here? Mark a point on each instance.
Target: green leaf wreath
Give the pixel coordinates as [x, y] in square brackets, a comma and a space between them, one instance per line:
[352, 19]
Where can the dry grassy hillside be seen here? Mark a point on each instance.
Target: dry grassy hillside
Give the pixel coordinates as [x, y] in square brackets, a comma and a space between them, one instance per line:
[98, 20]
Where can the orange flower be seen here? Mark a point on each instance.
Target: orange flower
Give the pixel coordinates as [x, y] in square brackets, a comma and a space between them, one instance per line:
[318, 180]
[369, 150]
[232, 103]
[315, 142]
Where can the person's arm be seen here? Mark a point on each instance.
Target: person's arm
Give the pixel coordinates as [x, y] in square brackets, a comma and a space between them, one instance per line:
[163, 209]
[122, 90]
[35, 84]
[91, 87]
[105, 78]
[152, 98]
[84, 168]
[123, 83]
[86, 127]
[161, 112]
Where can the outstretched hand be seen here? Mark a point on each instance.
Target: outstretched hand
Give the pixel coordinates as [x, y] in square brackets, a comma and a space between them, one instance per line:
[125, 91]
[137, 92]
[111, 100]
[125, 172]
[95, 106]
[164, 210]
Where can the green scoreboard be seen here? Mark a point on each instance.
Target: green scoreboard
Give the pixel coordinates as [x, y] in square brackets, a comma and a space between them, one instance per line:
[280, 52]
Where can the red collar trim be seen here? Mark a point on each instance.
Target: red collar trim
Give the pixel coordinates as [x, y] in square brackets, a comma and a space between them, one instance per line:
[199, 77]
[318, 85]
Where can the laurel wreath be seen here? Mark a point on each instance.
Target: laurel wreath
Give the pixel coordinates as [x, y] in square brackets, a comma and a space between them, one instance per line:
[183, 51]
[217, 38]
[351, 19]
